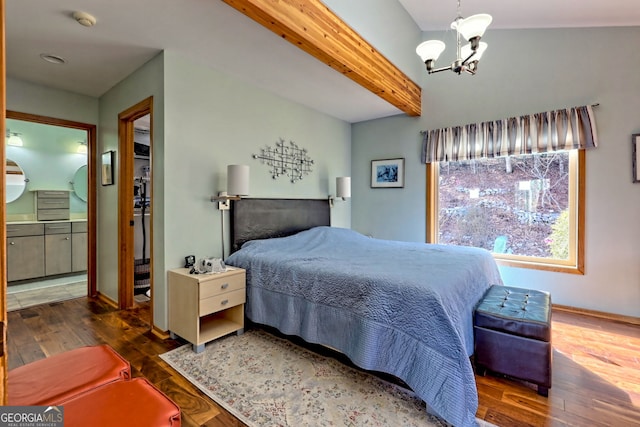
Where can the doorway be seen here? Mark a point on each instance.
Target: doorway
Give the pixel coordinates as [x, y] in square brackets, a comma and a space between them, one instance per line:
[135, 217]
[142, 209]
[67, 266]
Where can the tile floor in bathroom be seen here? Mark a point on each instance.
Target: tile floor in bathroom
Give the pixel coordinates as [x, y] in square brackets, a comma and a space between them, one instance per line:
[46, 291]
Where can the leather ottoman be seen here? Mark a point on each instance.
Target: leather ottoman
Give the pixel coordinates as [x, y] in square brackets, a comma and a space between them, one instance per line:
[54, 379]
[512, 328]
[135, 403]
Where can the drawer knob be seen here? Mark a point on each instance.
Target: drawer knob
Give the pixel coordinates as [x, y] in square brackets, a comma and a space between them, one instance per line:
[224, 286]
[224, 302]
[12, 243]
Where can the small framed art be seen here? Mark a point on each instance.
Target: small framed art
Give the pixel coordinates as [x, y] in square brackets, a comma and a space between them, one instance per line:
[387, 173]
[107, 167]
[635, 157]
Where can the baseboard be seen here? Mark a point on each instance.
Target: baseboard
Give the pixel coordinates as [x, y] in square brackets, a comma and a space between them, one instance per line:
[599, 314]
[107, 300]
[163, 335]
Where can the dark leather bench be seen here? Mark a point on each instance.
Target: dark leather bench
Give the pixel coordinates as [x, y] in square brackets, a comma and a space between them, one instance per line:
[512, 328]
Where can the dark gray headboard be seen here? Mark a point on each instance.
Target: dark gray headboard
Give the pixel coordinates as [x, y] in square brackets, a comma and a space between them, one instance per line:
[265, 218]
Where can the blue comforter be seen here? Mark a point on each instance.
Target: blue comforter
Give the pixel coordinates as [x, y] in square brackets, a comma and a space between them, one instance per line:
[396, 307]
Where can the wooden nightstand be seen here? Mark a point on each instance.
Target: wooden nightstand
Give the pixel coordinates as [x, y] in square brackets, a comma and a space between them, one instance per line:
[203, 307]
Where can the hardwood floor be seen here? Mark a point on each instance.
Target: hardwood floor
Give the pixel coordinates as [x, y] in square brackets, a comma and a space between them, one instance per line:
[596, 365]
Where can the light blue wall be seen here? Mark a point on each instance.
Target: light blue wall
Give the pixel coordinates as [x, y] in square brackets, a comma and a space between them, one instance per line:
[528, 71]
[31, 98]
[147, 81]
[49, 159]
[40, 100]
[214, 120]
[385, 25]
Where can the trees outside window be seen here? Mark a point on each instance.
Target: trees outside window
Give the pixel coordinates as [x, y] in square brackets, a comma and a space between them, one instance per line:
[524, 209]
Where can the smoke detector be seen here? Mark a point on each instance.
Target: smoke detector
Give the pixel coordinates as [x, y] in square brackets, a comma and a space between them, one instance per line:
[84, 18]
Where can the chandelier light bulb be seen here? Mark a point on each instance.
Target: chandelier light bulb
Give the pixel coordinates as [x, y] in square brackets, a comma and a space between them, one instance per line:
[471, 29]
[473, 26]
[430, 50]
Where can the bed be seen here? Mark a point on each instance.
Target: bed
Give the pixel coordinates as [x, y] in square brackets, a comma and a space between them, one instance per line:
[395, 307]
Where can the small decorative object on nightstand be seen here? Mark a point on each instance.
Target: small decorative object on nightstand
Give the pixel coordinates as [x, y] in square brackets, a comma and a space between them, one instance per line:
[204, 307]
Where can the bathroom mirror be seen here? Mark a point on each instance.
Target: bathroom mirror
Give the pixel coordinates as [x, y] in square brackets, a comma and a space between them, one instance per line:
[80, 183]
[16, 181]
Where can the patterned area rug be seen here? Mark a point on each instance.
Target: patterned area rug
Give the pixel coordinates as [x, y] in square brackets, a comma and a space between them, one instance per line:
[265, 380]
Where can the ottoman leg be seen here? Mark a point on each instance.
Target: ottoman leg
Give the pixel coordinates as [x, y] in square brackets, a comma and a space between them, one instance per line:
[543, 391]
[481, 370]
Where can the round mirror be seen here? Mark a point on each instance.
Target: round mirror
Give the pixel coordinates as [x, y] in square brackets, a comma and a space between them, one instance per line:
[16, 181]
[80, 183]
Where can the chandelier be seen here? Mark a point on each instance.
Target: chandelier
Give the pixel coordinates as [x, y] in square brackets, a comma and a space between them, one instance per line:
[472, 29]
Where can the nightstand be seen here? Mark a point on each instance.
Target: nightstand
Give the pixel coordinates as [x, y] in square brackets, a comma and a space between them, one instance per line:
[203, 307]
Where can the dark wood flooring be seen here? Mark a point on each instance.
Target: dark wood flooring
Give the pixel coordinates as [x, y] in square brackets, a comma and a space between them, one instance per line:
[596, 365]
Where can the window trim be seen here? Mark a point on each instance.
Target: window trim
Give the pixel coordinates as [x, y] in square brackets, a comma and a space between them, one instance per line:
[577, 202]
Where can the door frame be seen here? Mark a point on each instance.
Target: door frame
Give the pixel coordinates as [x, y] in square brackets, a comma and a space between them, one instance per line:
[91, 184]
[4, 358]
[126, 253]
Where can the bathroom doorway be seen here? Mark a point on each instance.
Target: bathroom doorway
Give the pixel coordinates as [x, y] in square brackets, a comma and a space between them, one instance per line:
[135, 217]
[51, 239]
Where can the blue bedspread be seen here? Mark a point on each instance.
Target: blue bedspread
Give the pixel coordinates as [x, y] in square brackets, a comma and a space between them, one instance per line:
[395, 307]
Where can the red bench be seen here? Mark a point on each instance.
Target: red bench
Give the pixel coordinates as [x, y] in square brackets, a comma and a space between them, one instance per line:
[54, 379]
[135, 403]
[94, 386]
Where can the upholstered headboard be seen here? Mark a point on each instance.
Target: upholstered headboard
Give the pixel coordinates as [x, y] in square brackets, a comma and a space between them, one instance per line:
[264, 218]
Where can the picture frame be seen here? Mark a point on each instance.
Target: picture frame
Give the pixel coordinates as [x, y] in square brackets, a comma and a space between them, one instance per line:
[387, 173]
[107, 167]
[635, 157]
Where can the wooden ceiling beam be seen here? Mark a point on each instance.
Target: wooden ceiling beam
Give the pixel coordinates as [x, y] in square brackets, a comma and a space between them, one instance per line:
[314, 28]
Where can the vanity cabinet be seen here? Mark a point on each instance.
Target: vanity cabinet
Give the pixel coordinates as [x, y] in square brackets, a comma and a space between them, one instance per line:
[79, 243]
[36, 250]
[57, 248]
[52, 205]
[25, 251]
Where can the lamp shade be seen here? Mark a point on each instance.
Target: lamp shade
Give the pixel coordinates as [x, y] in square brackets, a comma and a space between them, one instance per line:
[238, 180]
[466, 51]
[430, 50]
[473, 26]
[343, 187]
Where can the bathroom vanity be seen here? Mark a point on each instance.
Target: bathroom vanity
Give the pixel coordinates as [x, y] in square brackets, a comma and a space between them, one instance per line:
[46, 210]
[38, 249]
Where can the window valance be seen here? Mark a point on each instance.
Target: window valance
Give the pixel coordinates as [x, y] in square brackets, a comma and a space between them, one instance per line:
[550, 131]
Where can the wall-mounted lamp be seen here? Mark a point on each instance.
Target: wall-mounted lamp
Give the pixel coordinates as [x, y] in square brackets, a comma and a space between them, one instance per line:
[237, 186]
[13, 138]
[82, 147]
[343, 189]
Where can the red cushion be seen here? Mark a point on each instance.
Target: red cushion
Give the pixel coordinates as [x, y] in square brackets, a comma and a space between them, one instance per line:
[54, 379]
[135, 403]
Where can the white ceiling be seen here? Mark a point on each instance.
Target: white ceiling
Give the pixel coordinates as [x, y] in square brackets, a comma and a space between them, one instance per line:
[129, 33]
[510, 14]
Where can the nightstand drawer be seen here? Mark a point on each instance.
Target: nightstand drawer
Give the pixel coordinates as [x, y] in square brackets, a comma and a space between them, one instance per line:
[222, 302]
[220, 285]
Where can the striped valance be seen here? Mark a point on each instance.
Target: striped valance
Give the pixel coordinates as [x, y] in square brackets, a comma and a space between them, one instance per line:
[557, 130]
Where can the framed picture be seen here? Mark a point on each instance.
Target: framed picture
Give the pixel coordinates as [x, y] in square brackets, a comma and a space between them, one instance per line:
[387, 173]
[635, 157]
[107, 167]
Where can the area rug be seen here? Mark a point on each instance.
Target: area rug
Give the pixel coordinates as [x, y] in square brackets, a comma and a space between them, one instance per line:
[265, 380]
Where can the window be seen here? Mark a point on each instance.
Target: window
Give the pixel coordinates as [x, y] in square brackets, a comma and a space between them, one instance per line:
[527, 209]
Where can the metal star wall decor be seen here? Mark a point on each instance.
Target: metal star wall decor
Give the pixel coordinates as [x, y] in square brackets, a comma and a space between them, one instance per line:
[286, 159]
